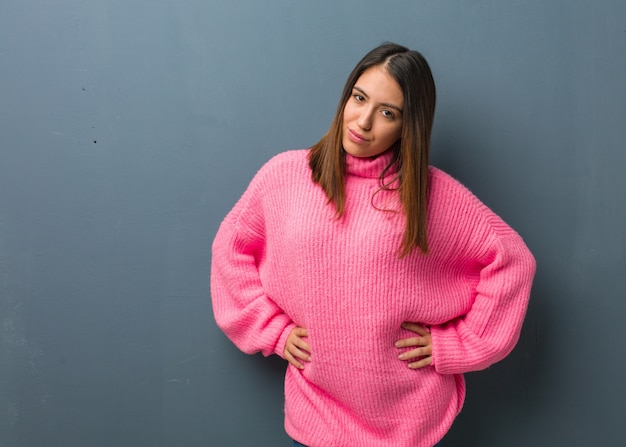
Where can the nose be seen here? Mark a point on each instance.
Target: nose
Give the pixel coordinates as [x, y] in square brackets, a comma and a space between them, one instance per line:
[365, 119]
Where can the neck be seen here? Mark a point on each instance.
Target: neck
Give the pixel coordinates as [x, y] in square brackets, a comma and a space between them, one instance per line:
[369, 167]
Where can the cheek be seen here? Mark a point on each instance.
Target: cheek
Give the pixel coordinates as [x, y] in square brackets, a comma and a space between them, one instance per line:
[394, 134]
[348, 113]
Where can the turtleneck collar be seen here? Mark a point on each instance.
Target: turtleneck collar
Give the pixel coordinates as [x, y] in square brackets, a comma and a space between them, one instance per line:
[369, 167]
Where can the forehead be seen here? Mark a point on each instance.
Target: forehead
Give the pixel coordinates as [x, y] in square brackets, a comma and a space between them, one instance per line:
[379, 85]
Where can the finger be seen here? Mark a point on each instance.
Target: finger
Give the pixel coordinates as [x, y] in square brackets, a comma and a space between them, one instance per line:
[298, 353]
[296, 337]
[303, 345]
[414, 327]
[426, 361]
[301, 331]
[415, 353]
[291, 359]
[413, 341]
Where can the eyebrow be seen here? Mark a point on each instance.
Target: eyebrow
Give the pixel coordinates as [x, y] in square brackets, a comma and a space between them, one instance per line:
[386, 104]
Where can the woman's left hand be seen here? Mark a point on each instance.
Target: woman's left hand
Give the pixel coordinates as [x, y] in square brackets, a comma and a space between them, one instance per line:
[424, 348]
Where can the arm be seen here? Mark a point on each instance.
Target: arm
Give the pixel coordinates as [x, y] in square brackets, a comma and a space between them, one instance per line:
[489, 331]
[241, 307]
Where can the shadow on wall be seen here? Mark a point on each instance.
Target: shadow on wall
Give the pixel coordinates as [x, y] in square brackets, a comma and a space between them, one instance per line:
[505, 400]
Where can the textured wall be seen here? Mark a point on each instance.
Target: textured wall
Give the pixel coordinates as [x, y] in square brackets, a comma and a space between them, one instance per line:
[129, 128]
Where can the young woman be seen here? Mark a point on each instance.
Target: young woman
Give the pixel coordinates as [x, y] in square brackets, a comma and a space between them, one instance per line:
[380, 280]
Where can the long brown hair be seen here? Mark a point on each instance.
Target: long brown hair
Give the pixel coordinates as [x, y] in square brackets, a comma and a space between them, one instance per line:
[327, 158]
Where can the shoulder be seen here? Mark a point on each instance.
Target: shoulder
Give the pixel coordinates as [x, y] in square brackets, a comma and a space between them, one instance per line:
[451, 200]
[283, 168]
[461, 225]
[446, 190]
[442, 182]
[298, 158]
[280, 173]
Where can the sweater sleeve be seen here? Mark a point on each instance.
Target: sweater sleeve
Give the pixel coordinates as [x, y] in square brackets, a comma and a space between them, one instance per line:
[489, 331]
[241, 307]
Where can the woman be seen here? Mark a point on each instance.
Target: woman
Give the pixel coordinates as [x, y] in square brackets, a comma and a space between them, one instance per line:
[380, 280]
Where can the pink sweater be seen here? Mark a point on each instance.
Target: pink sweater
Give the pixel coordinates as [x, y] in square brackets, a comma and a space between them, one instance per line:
[281, 259]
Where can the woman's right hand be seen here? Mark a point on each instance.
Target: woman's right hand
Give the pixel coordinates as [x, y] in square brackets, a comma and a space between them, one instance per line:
[296, 348]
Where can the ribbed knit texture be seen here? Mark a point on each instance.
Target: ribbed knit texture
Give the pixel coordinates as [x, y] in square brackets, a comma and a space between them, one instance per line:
[281, 258]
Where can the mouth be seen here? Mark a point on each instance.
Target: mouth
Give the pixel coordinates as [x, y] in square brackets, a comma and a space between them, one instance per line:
[356, 137]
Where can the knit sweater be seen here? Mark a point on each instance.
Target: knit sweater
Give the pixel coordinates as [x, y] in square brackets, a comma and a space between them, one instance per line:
[282, 258]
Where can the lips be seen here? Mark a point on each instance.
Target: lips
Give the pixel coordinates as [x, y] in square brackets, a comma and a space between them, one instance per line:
[356, 137]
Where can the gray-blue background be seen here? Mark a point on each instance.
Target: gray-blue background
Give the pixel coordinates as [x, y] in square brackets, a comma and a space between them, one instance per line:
[129, 128]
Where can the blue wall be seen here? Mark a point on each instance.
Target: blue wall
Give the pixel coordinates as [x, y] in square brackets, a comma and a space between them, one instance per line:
[128, 129]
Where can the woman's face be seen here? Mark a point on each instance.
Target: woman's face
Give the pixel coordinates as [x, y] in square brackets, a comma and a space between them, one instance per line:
[372, 117]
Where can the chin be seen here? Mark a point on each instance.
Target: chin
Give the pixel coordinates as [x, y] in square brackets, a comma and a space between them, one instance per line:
[355, 152]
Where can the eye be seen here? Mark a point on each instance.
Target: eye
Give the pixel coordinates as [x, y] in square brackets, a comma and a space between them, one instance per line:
[388, 114]
[358, 97]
